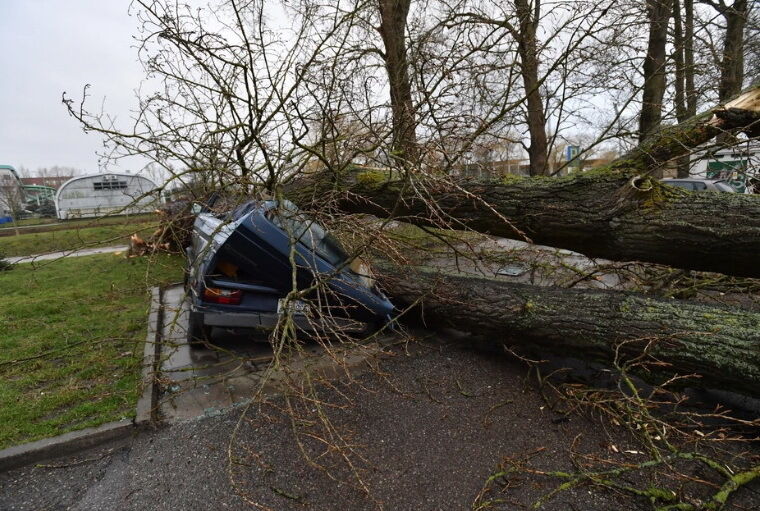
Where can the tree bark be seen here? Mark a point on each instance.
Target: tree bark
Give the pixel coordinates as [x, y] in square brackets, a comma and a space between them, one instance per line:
[721, 345]
[528, 51]
[732, 62]
[658, 14]
[732, 58]
[691, 90]
[615, 213]
[393, 19]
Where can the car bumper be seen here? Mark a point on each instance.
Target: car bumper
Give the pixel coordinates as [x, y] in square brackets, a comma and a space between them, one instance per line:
[268, 320]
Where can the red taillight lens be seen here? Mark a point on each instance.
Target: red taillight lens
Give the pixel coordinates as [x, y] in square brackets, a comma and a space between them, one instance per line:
[223, 296]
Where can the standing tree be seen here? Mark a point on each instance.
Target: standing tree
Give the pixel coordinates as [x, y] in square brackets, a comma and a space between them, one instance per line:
[528, 17]
[12, 199]
[732, 57]
[393, 24]
[658, 14]
[683, 56]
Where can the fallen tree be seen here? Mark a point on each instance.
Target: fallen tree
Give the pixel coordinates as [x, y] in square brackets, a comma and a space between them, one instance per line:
[616, 212]
[720, 345]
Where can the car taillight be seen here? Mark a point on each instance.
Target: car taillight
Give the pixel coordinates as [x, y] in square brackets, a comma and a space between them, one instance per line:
[223, 296]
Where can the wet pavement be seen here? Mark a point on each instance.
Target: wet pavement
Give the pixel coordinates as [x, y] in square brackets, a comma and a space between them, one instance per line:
[424, 431]
[238, 366]
[526, 263]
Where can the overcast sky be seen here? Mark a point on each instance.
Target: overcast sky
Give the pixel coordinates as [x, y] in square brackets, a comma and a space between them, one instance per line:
[51, 46]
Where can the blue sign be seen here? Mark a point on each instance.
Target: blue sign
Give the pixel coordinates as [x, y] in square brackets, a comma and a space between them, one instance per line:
[572, 151]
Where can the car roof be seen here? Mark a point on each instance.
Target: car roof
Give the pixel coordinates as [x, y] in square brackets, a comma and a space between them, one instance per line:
[695, 179]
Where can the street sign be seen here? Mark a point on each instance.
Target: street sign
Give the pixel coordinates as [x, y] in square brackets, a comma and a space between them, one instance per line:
[571, 154]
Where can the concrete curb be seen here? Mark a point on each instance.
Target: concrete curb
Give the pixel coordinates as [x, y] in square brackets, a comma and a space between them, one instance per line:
[146, 412]
[69, 443]
[72, 443]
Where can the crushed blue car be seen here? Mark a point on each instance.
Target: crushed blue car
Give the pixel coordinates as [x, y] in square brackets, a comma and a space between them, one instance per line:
[239, 273]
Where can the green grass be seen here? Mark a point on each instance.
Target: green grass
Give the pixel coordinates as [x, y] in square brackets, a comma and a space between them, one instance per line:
[29, 221]
[82, 222]
[71, 342]
[68, 239]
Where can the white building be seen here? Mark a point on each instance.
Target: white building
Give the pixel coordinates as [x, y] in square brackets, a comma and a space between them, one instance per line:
[105, 194]
[11, 193]
[739, 164]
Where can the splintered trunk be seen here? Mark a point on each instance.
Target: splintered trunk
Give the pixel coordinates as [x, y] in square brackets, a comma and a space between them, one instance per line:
[393, 16]
[719, 345]
[658, 13]
[528, 51]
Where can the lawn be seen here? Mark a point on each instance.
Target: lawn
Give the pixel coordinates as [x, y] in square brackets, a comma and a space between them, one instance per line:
[76, 237]
[30, 221]
[82, 222]
[71, 343]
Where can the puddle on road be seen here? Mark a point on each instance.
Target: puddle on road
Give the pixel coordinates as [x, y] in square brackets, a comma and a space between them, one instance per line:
[198, 382]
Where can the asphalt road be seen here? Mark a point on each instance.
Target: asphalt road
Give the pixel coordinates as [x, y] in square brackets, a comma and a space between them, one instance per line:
[427, 427]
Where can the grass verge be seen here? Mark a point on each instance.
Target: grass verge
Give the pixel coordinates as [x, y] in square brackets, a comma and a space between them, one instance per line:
[72, 341]
[28, 223]
[70, 239]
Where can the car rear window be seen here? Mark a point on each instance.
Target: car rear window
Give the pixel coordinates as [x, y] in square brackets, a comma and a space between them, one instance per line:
[289, 218]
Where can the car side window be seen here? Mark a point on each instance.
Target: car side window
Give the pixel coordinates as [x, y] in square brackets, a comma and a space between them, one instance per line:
[723, 187]
[699, 186]
[686, 185]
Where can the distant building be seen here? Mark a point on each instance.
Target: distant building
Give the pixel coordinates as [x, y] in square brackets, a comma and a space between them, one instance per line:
[739, 165]
[38, 194]
[494, 169]
[11, 193]
[54, 182]
[105, 194]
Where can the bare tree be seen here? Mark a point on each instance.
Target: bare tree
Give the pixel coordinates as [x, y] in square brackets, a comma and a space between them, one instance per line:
[732, 58]
[683, 80]
[393, 23]
[528, 16]
[12, 198]
[658, 14]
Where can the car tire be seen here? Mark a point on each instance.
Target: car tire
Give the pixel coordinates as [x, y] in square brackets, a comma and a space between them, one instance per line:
[198, 334]
[370, 328]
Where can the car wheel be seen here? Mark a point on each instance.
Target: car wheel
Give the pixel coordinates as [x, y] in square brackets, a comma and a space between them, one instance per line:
[198, 334]
[369, 328]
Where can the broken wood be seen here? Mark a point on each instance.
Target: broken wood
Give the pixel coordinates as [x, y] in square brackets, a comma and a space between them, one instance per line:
[719, 344]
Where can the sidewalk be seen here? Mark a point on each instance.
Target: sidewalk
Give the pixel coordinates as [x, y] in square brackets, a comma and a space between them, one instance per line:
[66, 253]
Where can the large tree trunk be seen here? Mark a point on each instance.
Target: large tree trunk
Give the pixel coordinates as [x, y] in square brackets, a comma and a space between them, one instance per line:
[721, 345]
[615, 213]
[658, 14]
[393, 16]
[528, 51]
